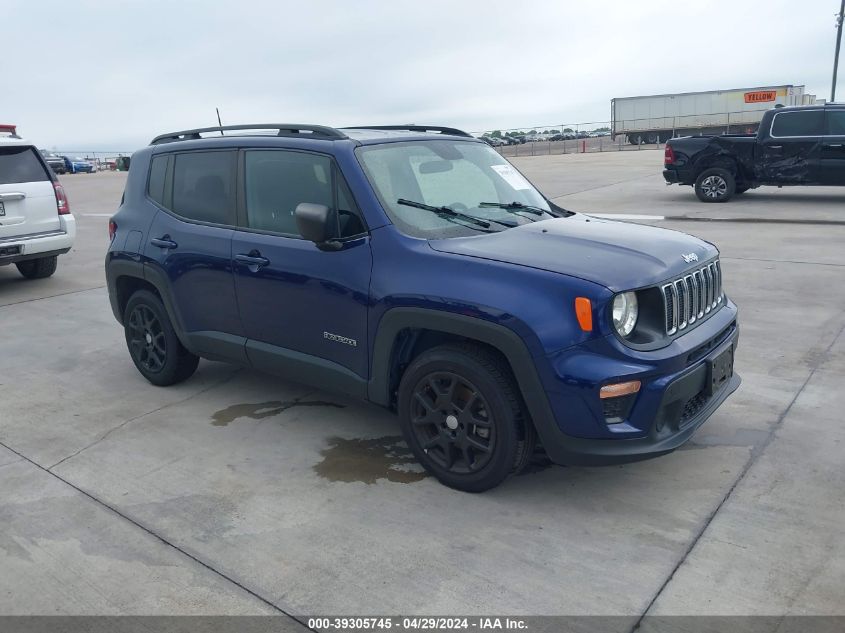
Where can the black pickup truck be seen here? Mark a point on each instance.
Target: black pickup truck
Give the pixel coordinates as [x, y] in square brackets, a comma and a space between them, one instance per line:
[802, 145]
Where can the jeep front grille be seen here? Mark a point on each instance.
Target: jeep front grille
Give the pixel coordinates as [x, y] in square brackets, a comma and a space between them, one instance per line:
[692, 296]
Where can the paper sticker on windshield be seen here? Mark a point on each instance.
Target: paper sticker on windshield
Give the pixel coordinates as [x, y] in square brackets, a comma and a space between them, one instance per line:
[511, 176]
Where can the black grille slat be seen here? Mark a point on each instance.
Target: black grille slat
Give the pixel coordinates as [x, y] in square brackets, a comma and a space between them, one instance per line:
[669, 300]
[699, 291]
[692, 308]
[682, 304]
[718, 269]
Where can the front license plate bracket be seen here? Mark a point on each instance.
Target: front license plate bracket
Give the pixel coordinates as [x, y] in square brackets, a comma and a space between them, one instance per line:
[720, 370]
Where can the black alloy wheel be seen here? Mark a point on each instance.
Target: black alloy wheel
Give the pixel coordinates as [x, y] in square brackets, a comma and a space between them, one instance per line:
[463, 417]
[452, 422]
[153, 345]
[146, 339]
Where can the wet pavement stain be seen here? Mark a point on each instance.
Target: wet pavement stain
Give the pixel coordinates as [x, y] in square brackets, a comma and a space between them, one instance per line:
[369, 460]
[261, 410]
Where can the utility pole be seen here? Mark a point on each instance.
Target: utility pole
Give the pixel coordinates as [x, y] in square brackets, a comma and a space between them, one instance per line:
[836, 55]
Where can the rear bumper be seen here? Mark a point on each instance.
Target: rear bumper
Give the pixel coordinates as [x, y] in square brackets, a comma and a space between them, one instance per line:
[670, 176]
[35, 245]
[677, 176]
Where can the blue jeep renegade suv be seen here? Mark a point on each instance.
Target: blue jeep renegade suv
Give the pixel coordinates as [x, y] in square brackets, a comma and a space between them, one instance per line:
[414, 267]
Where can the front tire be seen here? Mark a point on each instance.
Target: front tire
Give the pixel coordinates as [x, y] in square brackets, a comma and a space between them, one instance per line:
[40, 268]
[462, 417]
[153, 345]
[715, 185]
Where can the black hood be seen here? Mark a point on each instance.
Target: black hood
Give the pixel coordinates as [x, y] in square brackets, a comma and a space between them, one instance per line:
[617, 255]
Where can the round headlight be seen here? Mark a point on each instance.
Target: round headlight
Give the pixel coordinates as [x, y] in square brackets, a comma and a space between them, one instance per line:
[625, 312]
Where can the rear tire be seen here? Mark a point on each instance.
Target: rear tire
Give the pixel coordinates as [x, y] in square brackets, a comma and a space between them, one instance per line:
[715, 185]
[153, 345]
[40, 268]
[463, 418]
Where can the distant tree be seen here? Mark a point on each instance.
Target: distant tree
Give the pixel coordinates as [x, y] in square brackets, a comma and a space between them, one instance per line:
[602, 129]
[532, 132]
[554, 131]
[496, 133]
[568, 129]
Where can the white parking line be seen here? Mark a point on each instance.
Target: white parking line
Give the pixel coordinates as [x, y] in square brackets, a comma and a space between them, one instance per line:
[627, 216]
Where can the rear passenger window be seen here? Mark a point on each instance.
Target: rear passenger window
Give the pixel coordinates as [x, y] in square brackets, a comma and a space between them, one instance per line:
[798, 123]
[155, 187]
[278, 181]
[204, 186]
[20, 164]
[836, 122]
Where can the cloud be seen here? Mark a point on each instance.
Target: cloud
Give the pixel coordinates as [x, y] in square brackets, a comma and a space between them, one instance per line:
[111, 75]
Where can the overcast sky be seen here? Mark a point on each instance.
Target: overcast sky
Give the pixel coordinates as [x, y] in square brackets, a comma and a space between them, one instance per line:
[92, 75]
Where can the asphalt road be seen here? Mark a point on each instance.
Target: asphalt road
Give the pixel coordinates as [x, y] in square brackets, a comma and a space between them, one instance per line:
[241, 493]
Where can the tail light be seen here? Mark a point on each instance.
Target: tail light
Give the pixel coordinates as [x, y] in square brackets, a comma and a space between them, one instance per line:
[668, 155]
[112, 229]
[62, 204]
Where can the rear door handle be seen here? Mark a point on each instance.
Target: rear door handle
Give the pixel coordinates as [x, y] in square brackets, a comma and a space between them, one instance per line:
[163, 242]
[254, 260]
[775, 146]
[834, 145]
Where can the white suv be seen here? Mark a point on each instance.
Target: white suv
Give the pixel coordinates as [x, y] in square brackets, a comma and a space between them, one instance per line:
[36, 225]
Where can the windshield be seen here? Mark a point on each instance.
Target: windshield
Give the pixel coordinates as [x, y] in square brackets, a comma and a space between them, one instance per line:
[469, 178]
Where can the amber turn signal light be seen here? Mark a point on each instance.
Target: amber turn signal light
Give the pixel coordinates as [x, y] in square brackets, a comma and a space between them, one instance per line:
[584, 312]
[619, 389]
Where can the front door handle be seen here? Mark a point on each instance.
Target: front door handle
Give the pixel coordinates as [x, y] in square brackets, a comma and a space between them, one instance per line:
[833, 145]
[775, 146]
[163, 242]
[253, 260]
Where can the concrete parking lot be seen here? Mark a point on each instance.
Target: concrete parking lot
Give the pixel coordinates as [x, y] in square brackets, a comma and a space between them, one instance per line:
[241, 493]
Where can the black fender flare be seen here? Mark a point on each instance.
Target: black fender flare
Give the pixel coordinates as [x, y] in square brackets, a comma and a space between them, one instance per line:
[117, 268]
[508, 342]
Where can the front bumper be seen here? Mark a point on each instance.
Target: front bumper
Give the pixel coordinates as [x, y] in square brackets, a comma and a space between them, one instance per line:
[673, 403]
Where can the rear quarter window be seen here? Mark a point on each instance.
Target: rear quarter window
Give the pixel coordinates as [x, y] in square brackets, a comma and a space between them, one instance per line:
[21, 164]
[155, 185]
[204, 186]
[798, 123]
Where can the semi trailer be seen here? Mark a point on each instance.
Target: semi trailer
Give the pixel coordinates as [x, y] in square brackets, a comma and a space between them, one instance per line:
[657, 118]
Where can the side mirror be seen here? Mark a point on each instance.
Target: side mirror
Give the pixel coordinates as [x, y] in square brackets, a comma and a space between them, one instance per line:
[314, 224]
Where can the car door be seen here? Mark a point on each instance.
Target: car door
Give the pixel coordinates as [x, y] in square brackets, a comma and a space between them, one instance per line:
[304, 309]
[832, 161]
[789, 154]
[188, 248]
[27, 197]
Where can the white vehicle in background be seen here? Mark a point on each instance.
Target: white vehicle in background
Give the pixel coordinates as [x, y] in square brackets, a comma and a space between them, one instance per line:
[36, 225]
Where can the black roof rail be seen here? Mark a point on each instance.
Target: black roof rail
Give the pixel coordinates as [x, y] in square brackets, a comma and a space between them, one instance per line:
[284, 129]
[412, 128]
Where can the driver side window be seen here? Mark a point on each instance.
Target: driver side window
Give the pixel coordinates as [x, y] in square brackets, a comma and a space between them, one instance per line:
[277, 181]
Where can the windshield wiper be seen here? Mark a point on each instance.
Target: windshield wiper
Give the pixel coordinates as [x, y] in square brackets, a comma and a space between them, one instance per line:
[449, 212]
[513, 206]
